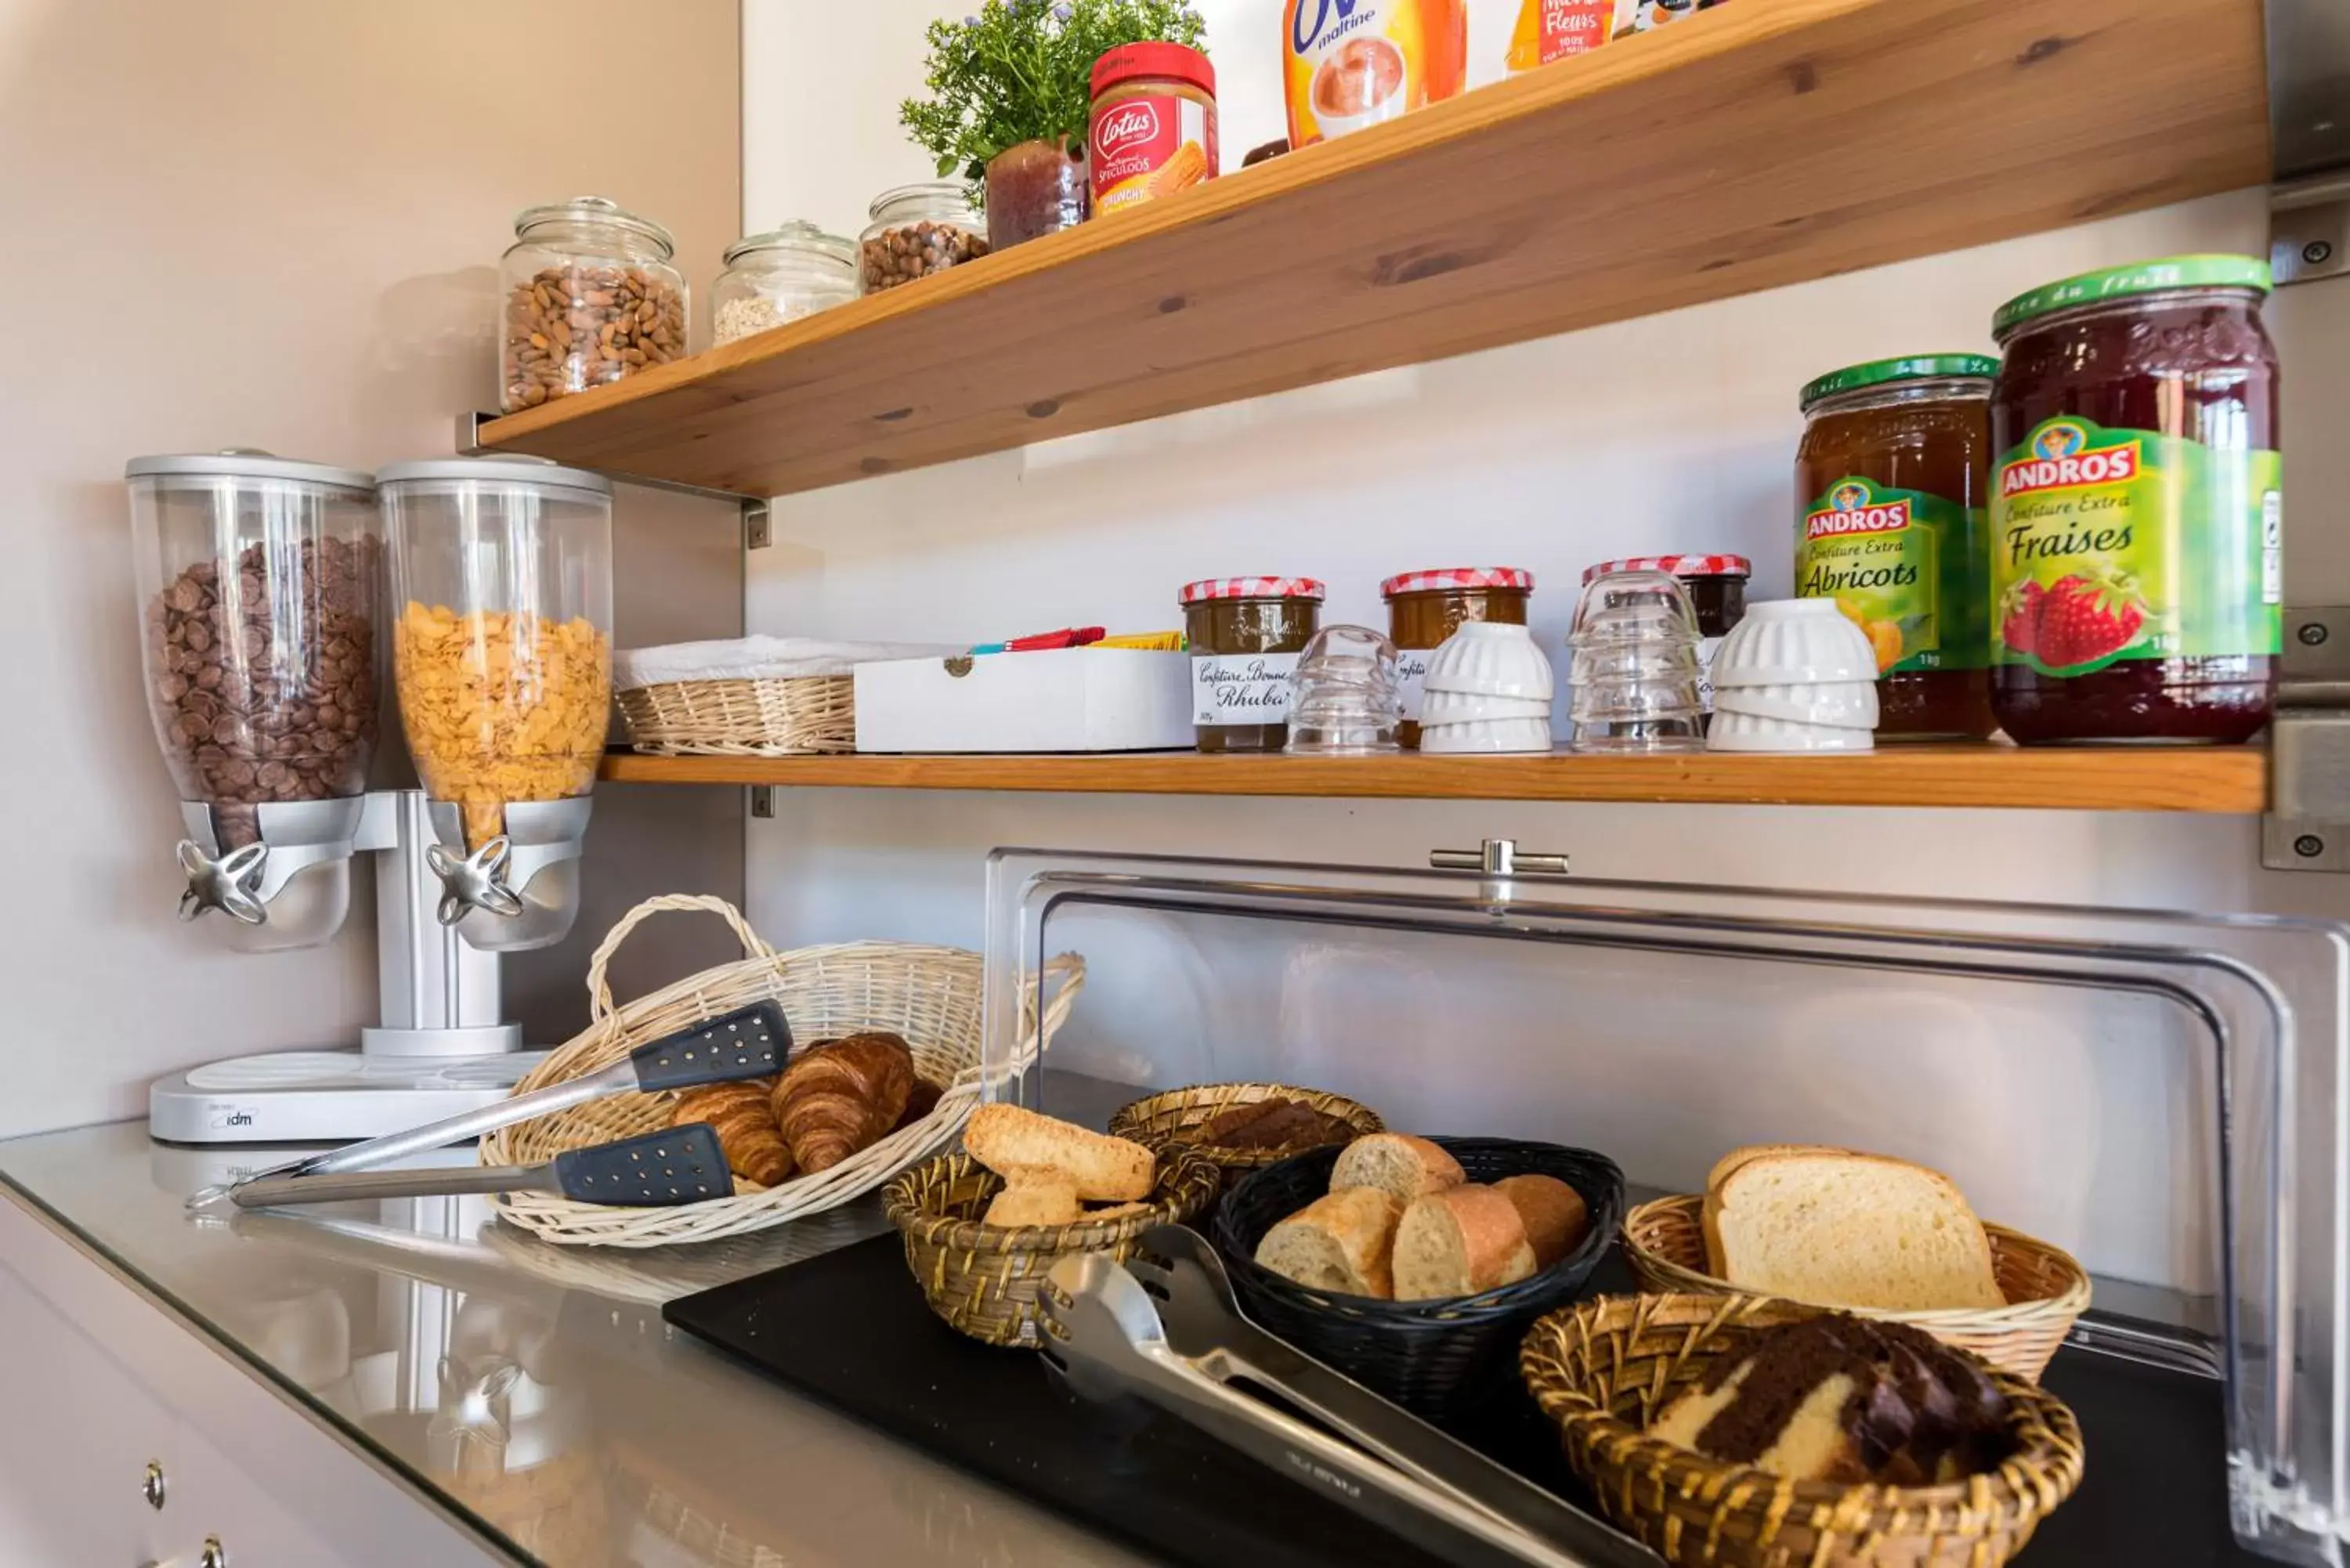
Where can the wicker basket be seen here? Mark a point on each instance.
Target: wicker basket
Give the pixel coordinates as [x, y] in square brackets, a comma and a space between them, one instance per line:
[2046, 1291]
[1160, 1121]
[1437, 1358]
[927, 996]
[1601, 1370]
[780, 717]
[983, 1279]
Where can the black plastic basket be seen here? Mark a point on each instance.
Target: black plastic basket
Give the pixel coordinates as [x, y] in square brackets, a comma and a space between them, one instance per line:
[1437, 1358]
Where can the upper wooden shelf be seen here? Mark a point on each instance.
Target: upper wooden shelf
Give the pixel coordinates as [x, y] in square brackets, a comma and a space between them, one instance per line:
[1767, 143]
[2114, 778]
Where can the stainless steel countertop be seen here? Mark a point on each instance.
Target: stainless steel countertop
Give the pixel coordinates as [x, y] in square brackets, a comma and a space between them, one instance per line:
[534, 1389]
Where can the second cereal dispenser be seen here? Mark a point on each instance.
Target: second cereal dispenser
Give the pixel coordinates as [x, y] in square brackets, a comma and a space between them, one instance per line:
[502, 656]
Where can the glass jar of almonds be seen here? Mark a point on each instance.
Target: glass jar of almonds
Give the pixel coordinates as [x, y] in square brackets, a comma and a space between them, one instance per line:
[591, 299]
[917, 230]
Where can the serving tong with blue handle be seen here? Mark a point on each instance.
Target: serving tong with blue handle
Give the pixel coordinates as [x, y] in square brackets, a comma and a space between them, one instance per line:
[748, 1042]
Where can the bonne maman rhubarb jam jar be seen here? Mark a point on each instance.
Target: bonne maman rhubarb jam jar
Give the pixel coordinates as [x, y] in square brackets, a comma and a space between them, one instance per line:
[2137, 568]
[1245, 634]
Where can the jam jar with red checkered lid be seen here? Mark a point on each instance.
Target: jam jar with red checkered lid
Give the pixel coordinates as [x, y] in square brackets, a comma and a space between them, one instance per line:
[1425, 607]
[1245, 634]
[1717, 591]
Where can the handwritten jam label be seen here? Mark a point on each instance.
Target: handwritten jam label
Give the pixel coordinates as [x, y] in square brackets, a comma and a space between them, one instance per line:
[1240, 688]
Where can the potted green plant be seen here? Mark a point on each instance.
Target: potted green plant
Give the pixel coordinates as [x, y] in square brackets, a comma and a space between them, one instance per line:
[1010, 95]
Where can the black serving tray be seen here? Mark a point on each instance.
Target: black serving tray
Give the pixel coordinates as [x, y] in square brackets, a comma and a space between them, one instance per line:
[850, 1328]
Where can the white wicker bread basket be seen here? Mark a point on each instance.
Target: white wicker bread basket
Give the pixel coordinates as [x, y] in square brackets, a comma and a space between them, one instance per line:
[929, 996]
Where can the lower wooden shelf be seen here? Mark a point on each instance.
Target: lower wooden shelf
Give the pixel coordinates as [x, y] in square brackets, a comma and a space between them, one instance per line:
[2086, 778]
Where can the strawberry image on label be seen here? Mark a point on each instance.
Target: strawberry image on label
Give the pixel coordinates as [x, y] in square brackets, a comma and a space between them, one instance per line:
[2084, 619]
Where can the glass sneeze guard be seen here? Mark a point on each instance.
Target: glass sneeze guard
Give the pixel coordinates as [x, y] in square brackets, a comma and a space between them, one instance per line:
[1254, 967]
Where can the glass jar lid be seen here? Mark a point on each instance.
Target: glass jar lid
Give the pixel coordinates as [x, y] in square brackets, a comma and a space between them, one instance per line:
[495, 471]
[1908, 367]
[1677, 566]
[594, 212]
[797, 239]
[2161, 276]
[1250, 589]
[1458, 579]
[951, 196]
[244, 463]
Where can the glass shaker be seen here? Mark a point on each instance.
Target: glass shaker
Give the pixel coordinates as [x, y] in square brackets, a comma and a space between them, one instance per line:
[781, 275]
[591, 299]
[502, 656]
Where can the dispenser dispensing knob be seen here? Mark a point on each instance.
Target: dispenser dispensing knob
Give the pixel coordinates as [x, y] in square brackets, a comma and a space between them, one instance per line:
[477, 881]
[226, 884]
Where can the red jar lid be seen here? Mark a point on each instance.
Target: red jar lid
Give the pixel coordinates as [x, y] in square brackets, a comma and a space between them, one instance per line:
[1679, 565]
[1154, 62]
[1452, 578]
[1250, 589]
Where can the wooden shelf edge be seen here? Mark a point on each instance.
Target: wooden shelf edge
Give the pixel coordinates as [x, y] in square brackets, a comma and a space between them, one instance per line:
[2232, 780]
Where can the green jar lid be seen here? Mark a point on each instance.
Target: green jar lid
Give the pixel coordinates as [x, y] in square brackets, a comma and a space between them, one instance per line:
[2121, 282]
[1910, 367]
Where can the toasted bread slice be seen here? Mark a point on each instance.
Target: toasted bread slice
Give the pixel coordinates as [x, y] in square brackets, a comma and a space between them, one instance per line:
[1104, 1169]
[1847, 1229]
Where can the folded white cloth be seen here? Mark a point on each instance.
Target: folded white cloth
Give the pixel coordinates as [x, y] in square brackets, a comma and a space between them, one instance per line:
[757, 659]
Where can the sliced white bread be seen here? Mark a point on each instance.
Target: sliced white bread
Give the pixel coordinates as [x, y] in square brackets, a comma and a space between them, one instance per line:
[1722, 1170]
[1459, 1242]
[1838, 1229]
[1340, 1243]
[1554, 1215]
[1405, 1168]
[1105, 1170]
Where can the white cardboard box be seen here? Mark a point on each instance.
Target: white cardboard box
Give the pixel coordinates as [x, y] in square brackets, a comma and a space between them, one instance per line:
[1067, 700]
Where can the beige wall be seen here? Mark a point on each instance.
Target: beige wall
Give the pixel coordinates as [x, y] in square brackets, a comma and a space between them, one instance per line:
[277, 222]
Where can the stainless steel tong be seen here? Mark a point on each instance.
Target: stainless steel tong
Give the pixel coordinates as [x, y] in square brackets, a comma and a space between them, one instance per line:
[658, 1169]
[748, 1042]
[1109, 1336]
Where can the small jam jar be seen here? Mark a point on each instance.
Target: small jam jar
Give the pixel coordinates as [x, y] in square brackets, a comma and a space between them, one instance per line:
[1717, 590]
[1245, 634]
[1425, 607]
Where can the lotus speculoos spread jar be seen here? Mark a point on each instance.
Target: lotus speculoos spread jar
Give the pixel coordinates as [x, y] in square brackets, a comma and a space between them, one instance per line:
[2137, 566]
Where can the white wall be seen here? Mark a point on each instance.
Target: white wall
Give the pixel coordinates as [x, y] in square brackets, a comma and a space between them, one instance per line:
[1672, 433]
[276, 223]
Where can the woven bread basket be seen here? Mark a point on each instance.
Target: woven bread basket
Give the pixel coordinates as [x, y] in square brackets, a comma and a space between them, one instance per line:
[1602, 1368]
[1160, 1121]
[927, 996]
[2046, 1289]
[982, 1280]
[775, 717]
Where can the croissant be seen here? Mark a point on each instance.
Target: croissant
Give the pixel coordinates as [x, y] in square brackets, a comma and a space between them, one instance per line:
[842, 1096]
[744, 1116]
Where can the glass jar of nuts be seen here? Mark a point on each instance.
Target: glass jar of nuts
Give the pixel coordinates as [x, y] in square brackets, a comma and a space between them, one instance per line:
[779, 277]
[590, 297]
[917, 230]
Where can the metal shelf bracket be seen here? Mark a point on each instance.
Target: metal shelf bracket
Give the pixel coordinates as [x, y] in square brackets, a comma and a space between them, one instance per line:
[2309, 125]
[758, 518]
[2307, 827]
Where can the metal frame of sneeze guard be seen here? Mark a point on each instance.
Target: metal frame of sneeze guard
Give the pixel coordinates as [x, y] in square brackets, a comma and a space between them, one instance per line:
[2269, 997]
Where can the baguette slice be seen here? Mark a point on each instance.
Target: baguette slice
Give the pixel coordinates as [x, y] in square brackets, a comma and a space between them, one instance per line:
[1340, 1243]
[1459, 1242]
[1555, 1217]
[1406, 1169]
[1837, 1228]
[1105, 1170]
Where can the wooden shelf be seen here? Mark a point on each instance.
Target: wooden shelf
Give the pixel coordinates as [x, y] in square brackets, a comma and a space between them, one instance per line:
[2209, 779]
[1758, 145]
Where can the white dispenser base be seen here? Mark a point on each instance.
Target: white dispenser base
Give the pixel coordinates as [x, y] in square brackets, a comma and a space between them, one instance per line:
[325, 1096]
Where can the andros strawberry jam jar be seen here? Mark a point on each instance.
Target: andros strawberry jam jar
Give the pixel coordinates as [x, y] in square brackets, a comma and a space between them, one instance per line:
[2137, 568]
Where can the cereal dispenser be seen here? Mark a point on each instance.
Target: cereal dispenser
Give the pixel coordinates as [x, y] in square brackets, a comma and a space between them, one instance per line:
[501, 655]
[258, 582]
